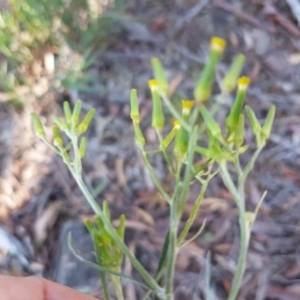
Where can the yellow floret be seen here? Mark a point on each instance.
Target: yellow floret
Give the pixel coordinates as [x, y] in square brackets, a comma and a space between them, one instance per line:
[243, 83]
[186, 106]
[218, 44]
[176, 124]
[153, 84]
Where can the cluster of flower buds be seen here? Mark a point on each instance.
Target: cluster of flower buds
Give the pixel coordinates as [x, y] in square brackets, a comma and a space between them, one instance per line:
[70, 125]
[108, 254]
[221, 144]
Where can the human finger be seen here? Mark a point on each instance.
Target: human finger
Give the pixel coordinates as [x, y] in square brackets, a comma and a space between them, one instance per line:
[18, 288]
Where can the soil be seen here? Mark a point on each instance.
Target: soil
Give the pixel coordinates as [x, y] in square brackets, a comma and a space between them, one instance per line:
[40, 201]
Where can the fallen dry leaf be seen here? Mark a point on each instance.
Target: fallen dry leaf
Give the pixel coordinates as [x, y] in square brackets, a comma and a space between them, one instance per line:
[45, 221]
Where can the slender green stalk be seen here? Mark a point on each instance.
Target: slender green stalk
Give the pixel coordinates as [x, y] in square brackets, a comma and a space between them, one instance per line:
[193, 213]
[152, 284]
[244, 243]
[147, 277]
[165, 153]
[154, 177]
[251, 163]
[239, 196]
[175, 113]
[118, 286]
[188, 175]
[172, 251]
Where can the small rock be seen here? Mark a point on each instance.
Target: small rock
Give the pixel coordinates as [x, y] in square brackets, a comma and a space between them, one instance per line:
[68, 270]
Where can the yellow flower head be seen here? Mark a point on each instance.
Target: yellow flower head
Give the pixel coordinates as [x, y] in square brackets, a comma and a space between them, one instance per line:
[217, 44]
[176, 124]
[186, 107]
[243, 83]
[153, 84]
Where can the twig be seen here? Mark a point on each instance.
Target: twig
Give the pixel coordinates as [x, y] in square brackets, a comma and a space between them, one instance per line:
[270, 11]
[246, 17]
[190, 15]
[295, 7]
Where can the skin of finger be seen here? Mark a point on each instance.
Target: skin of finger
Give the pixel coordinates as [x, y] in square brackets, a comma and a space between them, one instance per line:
[17, 288]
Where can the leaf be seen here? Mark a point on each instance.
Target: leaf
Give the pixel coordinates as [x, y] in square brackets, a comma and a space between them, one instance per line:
[99, 268]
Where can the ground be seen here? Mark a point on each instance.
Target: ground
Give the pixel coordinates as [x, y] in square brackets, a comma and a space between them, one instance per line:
[40, 202]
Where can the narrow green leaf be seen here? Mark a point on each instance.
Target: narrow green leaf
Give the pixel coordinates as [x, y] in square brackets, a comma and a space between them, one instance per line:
[108, 271]
[106, 212]
[121, 228]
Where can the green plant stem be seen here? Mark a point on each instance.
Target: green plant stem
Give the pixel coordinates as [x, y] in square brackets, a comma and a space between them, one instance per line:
[165, 153]
[188, 176]
[172, 252]
[77, 159]
[76, 172]
[147, 277]
[244, 243]
[251, 163]
[175, 113]
[193, 213]
[118, 286]
[172, 238]
[154, 177]
[239, 196]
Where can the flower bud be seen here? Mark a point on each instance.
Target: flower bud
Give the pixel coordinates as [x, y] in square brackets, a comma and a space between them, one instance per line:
[38, 126]
[76, 113]
[139, 137]
[158, 118]
[181, 143]
[67, 111]
[186, 108]
[82, 147]
[84, 125]
[168, 139]
[211, 124]
[233, 118]
[267, 127]
[239, 133]
[203, 88]
[255, 126]
[57, 138]
[134, 107]
[60, 123]
[230, 80]
[159, 75]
